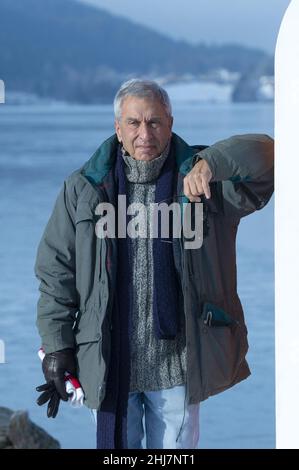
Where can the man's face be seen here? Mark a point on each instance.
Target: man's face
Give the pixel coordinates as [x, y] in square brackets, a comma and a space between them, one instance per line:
[144, 127]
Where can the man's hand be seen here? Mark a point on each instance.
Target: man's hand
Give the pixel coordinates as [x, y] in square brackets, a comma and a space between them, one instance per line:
[49, 394]
[54, 367]
[196, 182]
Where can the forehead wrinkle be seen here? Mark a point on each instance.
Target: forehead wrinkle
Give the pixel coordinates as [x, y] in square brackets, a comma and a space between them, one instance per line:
[145, 118]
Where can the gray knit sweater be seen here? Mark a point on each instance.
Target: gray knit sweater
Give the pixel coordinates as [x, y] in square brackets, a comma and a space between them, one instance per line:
[155, 364]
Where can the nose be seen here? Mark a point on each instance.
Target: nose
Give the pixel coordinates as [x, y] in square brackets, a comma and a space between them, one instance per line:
[144, 132]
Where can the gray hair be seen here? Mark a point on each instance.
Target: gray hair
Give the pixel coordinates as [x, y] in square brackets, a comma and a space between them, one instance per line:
[140, 89]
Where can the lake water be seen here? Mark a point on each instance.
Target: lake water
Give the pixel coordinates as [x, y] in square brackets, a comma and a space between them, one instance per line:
[39, 146]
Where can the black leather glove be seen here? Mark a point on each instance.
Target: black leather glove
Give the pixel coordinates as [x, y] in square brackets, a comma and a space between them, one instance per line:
[54, 366]
[50, 394]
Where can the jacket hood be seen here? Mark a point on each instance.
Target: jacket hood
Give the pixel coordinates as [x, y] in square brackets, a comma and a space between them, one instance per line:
[100, 163]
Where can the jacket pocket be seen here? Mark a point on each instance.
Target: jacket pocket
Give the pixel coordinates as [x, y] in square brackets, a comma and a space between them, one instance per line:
[87, 327]
[215, 316]
[90, 365]
[223, 344]
[88, 258]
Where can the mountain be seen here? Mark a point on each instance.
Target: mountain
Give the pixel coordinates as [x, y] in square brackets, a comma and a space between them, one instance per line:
[250, 85]
[68, 50]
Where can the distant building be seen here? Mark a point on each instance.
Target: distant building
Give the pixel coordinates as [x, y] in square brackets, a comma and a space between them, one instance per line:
[2, 92]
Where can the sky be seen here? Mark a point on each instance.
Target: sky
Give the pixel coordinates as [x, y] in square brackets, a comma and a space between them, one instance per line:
[252, 23]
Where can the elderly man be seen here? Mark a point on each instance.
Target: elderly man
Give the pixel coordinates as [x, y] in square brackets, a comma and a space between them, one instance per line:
[149, 327]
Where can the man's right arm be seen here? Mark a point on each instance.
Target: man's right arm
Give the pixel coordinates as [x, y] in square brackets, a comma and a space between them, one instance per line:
[55, 268]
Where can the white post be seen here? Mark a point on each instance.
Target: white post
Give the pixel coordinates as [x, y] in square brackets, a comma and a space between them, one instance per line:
[287, 229]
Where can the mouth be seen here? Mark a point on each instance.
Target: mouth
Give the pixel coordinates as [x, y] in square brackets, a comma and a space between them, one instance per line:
[146, 147]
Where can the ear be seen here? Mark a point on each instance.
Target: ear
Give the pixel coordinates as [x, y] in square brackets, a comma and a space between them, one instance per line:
[117, 130]
[171, 122]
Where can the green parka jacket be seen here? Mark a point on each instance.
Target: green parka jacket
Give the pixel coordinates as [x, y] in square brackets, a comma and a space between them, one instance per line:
[77, 269]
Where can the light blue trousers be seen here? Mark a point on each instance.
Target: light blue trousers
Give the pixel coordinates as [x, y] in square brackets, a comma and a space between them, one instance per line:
[162, 420]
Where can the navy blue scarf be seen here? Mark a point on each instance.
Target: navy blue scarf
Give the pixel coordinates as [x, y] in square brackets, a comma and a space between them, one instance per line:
[112, 417]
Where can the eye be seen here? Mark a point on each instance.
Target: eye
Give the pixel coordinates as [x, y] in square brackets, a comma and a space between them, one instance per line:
[154, 124]
[133, 123]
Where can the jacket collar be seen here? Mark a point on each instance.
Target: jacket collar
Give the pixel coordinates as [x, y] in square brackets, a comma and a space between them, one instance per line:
[101, 162]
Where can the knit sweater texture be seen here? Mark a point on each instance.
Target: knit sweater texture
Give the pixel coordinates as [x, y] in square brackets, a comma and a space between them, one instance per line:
[155, 363]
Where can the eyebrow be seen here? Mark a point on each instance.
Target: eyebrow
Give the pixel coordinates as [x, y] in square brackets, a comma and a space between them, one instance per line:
[154, 118]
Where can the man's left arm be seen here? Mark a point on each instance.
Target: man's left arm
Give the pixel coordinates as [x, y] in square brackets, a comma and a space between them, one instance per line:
[244, 164]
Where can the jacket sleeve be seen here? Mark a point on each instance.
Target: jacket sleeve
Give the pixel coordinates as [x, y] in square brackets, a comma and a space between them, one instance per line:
[55, 269]
[244, 164]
